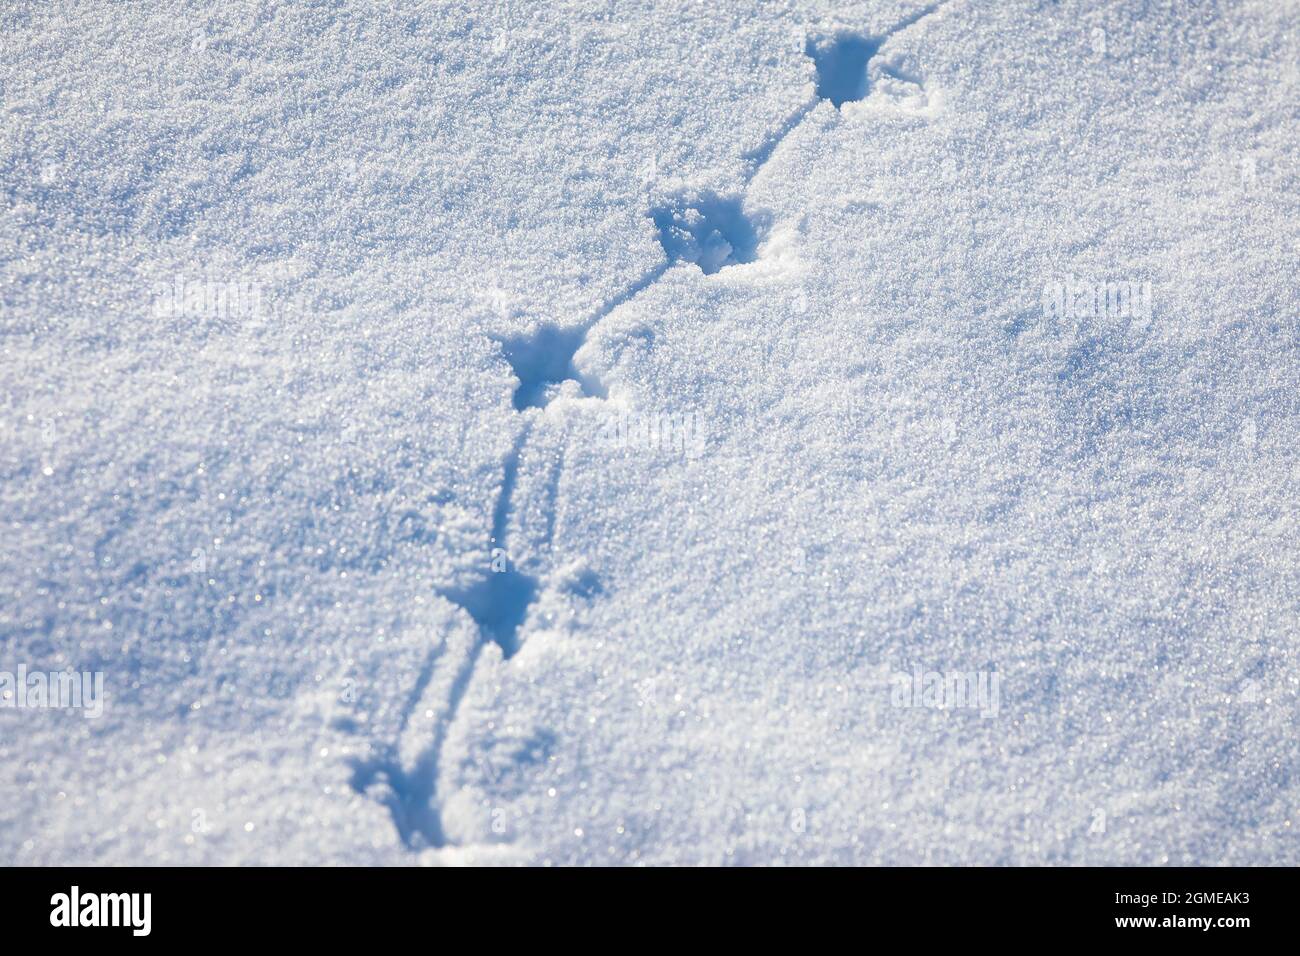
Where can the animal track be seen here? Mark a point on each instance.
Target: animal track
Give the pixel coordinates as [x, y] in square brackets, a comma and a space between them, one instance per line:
[841, 62]
[543, 357]
[708, 230]
[540, 359]
[711, 231]
[499, 599]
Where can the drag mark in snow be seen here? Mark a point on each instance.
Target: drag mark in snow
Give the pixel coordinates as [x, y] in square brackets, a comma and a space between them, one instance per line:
[709, 230]
[410, 791]
[499, 598]
[757, 158]
[497, 601]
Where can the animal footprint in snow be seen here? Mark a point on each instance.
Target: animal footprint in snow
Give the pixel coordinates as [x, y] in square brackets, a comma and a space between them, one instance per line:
[708, 230]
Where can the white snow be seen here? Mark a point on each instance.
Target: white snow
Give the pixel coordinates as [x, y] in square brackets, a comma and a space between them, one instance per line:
[559, 433]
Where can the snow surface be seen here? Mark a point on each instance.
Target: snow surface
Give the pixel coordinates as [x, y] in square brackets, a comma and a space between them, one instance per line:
[619, 395]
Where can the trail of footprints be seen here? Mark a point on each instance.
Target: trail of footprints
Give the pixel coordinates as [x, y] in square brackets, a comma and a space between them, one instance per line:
[706, 229]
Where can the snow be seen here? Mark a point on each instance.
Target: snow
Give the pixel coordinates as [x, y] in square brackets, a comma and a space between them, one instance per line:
[572, 433]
